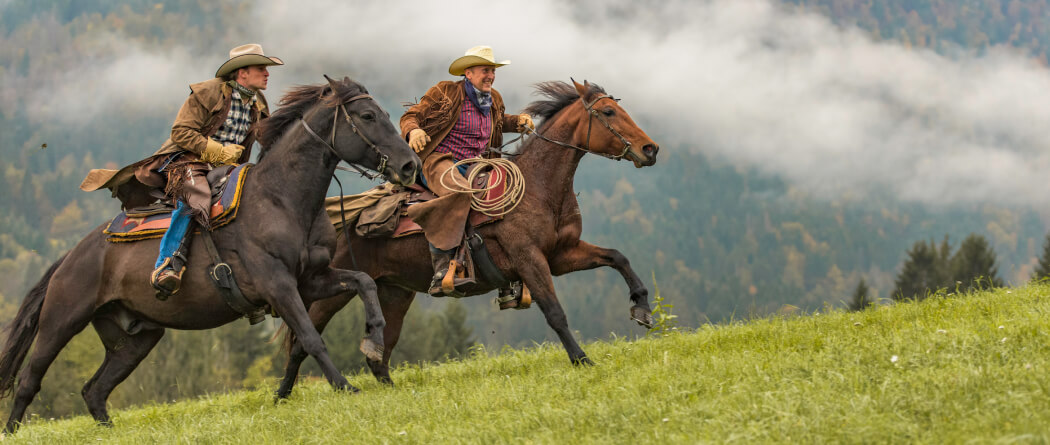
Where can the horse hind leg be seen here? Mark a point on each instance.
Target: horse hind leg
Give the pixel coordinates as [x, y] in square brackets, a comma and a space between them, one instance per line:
[395, 302]
[124, 352]
[54, 334]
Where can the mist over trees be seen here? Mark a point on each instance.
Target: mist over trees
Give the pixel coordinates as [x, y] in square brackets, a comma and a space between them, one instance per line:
[720, 238]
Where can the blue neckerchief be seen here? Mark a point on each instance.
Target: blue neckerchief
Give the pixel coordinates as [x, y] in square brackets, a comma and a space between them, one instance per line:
[481, 99]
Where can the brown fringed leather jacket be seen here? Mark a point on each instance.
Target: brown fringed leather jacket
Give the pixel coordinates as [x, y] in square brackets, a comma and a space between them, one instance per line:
[439, 109]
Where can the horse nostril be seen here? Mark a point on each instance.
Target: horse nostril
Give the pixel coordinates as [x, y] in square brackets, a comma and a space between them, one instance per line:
[409, 169]
[650, 149]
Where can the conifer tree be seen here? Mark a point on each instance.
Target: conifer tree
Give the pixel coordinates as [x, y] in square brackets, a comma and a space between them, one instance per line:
[973, 265]
[860, 299]
[1043, 269]
[923, 272]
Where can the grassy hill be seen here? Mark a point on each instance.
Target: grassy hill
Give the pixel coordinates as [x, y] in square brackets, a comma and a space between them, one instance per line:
[948, 370]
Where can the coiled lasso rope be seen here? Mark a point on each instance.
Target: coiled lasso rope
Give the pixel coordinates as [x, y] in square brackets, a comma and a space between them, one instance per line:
[495, 207]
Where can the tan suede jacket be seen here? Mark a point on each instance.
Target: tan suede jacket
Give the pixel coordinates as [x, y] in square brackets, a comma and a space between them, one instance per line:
[439, 109]
[203, 113]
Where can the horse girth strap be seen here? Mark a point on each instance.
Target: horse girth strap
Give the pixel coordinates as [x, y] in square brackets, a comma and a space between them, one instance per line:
[222, 275]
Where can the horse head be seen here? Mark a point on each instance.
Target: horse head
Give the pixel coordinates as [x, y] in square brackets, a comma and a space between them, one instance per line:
[610, 131]
[361, 132]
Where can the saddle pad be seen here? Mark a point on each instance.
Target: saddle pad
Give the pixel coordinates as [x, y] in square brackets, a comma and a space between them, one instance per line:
[496, 178]
[124, 228]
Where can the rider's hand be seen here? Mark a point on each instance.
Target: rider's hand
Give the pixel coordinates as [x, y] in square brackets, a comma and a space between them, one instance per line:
[218, 154]
[417, 139]
[525, 121]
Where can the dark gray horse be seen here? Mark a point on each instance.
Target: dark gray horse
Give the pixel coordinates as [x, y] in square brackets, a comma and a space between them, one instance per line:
[279, 248]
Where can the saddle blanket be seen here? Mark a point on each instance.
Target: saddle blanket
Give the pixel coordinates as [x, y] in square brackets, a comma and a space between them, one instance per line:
[354, 206]
[140, 224]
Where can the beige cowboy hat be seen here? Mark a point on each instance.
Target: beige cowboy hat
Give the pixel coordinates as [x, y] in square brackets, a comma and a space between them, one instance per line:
[478, 55]
[246, 55]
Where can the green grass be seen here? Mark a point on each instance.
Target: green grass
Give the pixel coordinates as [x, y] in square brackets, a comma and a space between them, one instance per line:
[967, 368]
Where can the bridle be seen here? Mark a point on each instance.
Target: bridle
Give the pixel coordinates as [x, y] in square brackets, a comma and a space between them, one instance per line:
[626, 153]
[353, 126]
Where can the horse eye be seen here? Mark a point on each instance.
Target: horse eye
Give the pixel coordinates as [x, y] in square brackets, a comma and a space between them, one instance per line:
[369, 116]
[608, 111]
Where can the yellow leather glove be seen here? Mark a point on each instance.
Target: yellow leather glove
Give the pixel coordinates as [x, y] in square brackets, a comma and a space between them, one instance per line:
[417, 139]
[218, 154]
[525, 121]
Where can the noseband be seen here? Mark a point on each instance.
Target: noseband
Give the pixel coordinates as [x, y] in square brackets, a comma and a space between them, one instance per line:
[350, 120]
[626, 153]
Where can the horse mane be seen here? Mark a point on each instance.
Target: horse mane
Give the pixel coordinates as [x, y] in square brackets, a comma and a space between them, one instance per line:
[559, 95]
[296, 102]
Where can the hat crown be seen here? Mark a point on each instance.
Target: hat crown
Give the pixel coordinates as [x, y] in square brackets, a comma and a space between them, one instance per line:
[251, 48]
[485, 52]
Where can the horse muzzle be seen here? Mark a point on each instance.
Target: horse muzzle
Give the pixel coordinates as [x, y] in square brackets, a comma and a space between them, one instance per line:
[649, 152]
[406, 173]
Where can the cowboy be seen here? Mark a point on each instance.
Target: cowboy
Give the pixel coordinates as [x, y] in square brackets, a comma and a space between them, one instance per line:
[215, 126]
[455, 121]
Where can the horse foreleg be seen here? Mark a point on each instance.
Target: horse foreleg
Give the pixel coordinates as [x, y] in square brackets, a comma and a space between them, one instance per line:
[537, 276]
[333, 282]
[289, 304]
[320, 314]
[586, 256]
[123, 354]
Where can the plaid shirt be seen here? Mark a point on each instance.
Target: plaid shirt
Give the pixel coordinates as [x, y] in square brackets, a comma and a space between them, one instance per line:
[470, 136]
[235, 129]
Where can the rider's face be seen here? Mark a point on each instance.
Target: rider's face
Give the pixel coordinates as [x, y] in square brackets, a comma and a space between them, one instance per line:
[481, 77]
[254, 76]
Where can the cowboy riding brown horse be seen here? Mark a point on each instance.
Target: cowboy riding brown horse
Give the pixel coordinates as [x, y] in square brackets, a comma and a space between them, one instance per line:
[538, 239]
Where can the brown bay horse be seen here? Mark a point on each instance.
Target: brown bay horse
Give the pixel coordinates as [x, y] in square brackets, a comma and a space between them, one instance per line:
[540, 238]
[279, 248]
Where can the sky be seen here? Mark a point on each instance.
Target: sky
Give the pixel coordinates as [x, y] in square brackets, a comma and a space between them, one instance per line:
[785, 93]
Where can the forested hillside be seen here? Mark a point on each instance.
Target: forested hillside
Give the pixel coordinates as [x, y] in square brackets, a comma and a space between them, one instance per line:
[721, 240]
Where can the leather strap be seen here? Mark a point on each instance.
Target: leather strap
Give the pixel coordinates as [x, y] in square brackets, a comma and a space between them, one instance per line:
[222, 275]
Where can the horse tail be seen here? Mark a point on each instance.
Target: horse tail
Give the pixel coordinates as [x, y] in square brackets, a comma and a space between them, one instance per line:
[22, 330]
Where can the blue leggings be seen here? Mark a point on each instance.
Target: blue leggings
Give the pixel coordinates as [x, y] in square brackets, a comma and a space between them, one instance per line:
[180, 224]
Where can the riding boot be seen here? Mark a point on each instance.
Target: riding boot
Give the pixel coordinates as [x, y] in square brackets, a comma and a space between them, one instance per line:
[440, 260]
[514, 296]
[171, 262]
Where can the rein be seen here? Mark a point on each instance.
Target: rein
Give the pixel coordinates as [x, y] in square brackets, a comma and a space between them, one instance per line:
[626, 153]
[353, 126]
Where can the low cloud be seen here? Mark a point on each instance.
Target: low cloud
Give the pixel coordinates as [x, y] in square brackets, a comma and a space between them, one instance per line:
[751, 81]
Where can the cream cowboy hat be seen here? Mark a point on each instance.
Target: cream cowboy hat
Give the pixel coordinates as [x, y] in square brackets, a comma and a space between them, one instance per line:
[478, 55]
[246, 55]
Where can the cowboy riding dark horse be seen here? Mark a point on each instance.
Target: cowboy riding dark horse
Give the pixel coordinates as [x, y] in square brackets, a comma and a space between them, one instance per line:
[216, 126]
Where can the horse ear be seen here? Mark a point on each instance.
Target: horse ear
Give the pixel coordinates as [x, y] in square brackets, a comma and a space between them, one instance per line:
[332, 83]
[580, 89]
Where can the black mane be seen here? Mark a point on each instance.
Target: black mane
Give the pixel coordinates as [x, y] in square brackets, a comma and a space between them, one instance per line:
[560, 95]
[296, 102]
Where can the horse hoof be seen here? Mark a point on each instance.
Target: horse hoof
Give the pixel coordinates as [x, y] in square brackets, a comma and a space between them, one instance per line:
[105, 423]
[372, 350]
[583, 361]
[642, 315]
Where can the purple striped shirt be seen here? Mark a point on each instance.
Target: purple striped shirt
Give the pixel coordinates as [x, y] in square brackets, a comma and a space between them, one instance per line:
[470, 136]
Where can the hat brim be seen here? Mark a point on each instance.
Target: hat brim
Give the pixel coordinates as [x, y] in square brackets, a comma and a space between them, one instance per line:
[244, 60]
[462, 63]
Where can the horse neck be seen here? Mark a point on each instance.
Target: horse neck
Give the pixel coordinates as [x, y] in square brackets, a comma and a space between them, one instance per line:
[549, 169]
[294, 175]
